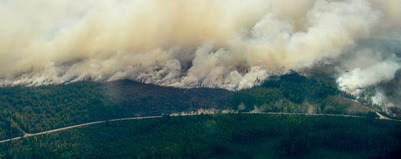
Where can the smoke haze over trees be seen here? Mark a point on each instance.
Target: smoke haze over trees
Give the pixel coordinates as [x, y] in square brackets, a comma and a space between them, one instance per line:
[211, 43]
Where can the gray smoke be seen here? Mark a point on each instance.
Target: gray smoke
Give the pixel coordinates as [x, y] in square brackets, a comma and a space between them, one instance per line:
[371, 71]
[189, 43]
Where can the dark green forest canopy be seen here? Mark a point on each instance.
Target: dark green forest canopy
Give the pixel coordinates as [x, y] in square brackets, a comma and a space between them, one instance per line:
[35, 109]
[293, 87]
[219, 136]
[294, 93]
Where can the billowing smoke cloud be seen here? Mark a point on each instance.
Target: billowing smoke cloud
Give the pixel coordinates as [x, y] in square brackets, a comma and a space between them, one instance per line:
[229, 44]
[367, 68]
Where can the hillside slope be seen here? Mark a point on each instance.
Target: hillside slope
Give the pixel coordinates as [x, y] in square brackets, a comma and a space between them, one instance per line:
[146, 99]
[34, 109]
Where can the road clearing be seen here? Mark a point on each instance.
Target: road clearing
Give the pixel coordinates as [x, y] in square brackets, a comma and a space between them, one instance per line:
[175, 114]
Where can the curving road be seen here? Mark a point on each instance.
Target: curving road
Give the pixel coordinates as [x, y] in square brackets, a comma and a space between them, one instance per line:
[186, 114]
[75, 126]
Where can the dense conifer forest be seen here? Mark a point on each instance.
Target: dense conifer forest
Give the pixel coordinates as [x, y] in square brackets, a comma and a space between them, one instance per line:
[294, 93]
[219, 136]
[35, 109]
[238, 135]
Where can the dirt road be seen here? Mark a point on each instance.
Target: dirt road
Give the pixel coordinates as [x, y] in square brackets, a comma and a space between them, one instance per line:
[185, 114]
[75, 126]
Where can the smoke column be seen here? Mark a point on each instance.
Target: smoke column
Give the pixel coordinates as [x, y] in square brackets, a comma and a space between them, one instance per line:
[229, 44]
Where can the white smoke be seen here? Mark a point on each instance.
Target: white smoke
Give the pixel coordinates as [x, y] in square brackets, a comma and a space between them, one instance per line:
[185, 43]
[367, 68]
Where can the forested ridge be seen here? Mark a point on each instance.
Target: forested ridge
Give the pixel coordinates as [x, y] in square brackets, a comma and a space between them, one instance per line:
[35, 109]
[41, 108]
[294, 93]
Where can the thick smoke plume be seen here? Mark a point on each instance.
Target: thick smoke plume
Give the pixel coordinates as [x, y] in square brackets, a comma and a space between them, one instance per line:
[229, 44]
[372, 71]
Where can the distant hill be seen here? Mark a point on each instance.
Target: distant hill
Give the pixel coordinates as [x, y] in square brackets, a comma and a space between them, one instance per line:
[294, 93]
